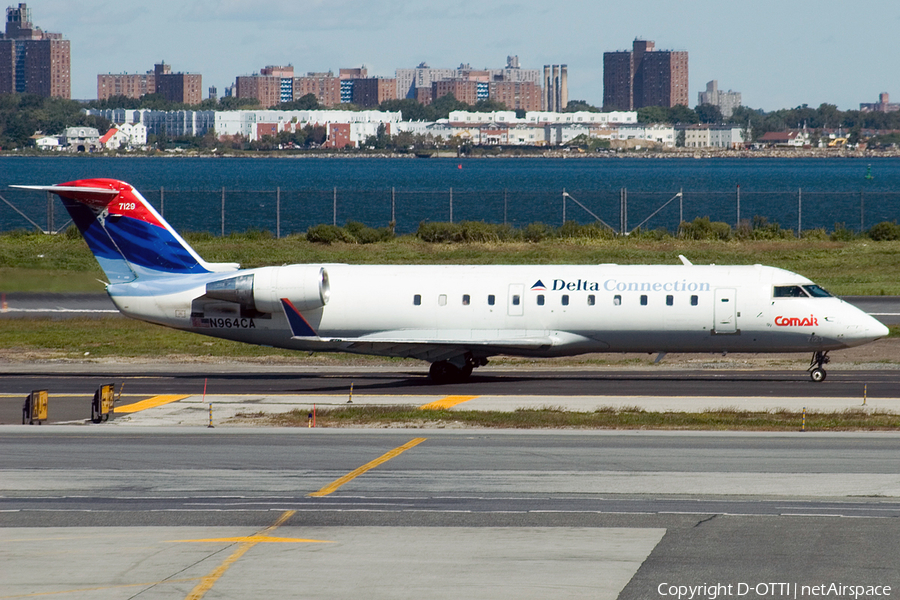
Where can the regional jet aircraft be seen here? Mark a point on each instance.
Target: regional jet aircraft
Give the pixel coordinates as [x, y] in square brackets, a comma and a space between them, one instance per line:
[455, 317]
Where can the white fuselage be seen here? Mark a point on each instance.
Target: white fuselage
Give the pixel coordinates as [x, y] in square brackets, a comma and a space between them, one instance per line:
[554, 309]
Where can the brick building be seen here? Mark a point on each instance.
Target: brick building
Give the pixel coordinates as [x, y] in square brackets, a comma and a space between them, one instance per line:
[644, 77]
[33, 61]
[462, 90]
[324, 86]
[125, 84]
[373, 91]
[516, 95]
[184, 88]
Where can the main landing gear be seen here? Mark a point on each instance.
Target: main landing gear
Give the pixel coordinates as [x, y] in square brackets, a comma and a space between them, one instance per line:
[445, 371]
[816, 372]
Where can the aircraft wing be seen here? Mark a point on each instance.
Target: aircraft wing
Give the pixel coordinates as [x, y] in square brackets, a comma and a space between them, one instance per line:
[413, 343]
[400, 343]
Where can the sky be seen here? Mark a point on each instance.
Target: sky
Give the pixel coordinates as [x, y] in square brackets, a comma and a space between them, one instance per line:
[778, 54]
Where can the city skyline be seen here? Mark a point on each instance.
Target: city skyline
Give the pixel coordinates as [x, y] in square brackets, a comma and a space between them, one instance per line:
[777, 55]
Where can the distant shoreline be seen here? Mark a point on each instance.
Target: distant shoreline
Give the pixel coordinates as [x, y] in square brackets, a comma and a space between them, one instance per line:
[487, 153]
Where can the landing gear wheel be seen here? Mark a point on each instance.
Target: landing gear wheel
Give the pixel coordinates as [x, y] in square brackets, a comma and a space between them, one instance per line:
[816, 370]
[443, 371]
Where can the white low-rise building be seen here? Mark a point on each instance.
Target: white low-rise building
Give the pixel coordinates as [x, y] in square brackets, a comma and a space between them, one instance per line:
[46, 142]
[175, 123]
[713, 136]
[125, 135]
[249, 123]
[544, 117]
[654, 132]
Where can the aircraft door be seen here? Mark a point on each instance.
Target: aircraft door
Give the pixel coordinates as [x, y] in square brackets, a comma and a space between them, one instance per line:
[515, 303]
[725, 311]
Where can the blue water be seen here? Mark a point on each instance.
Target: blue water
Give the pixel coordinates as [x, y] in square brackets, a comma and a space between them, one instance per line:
[821, 192]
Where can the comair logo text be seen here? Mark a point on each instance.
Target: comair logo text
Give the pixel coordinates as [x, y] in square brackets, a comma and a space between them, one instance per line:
[809, 321]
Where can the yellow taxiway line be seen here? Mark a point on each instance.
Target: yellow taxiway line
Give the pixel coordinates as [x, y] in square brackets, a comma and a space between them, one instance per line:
[448, 402]
[149, 403]
[331, 487]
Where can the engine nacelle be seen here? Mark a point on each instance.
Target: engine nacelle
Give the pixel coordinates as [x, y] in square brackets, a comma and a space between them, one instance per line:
[306, 286]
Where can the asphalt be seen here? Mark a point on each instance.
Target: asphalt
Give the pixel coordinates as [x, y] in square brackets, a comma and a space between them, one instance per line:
[163, 512]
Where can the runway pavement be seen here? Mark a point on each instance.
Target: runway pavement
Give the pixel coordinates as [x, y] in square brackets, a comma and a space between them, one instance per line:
[93, 512]
[179, 394]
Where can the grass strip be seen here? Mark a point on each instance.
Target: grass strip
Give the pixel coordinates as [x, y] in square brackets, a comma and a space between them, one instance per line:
[727, 419]
[34, 262]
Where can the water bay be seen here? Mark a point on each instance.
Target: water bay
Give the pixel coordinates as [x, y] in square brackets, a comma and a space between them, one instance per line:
[811, 192]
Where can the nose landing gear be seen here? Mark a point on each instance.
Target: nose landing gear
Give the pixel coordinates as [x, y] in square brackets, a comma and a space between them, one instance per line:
[816, 370]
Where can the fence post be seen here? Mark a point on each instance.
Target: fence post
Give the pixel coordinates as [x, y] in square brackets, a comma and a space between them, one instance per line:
[862, 214]
[162, 202]
[394, 207]
[277, 213]
[334, 208]
[49, 212]
[799, 212]
[504, 206]
[223, 211]
[680, 207]
[451, 206]
[738, 224]
[564, 206]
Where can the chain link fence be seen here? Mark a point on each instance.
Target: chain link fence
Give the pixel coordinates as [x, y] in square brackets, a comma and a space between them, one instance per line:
[287, 212]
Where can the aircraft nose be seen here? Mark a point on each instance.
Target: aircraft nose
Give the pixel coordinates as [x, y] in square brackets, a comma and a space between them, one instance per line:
[869, 329]
[879, 329]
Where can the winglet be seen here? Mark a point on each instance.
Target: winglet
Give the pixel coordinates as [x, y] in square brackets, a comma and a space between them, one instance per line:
[299, 326]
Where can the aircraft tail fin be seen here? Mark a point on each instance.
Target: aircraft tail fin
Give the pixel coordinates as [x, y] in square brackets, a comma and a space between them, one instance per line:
[129, 238]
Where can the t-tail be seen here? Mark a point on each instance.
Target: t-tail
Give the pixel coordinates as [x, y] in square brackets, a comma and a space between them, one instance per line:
[129, 238]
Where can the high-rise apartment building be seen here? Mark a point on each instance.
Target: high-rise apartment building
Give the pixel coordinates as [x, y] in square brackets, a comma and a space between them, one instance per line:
[184, 88]
[33, 61]
[270, 87]
[644, 77]
[462, 90]
[372, 91]
[413, 83]
[883, 105]
[726, 101]
[125, 84]
[517, 95]
[324, 86]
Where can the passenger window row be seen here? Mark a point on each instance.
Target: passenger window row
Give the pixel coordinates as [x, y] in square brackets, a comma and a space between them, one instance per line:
[564, 300]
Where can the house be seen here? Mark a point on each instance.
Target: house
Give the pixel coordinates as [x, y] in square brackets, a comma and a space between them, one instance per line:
[81, 139]
[45, 142]
[125, 135]
[794, 138]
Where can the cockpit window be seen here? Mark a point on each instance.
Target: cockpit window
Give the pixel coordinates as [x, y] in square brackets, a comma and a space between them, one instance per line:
[816, 291]
[789, 291]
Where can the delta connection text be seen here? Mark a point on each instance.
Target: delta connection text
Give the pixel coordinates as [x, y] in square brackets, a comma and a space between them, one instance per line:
[614, 285]
[712, 591]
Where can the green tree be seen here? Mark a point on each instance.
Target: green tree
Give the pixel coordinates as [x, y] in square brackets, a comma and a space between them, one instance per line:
[682, 114]
[409, 108]
[708, 113]
[306, 102]
[580, 105]
[653, 114]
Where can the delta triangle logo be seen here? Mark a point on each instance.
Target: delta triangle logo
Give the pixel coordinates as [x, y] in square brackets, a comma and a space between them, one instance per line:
[539, 286]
